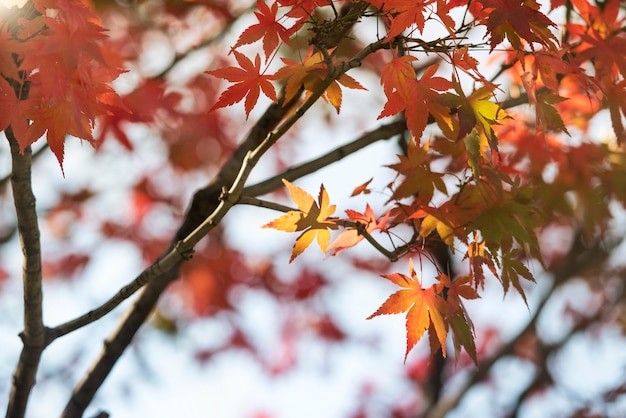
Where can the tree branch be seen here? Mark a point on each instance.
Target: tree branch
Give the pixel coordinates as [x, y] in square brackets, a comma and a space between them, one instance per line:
[33, 336]
[382, 132]
[208, 207]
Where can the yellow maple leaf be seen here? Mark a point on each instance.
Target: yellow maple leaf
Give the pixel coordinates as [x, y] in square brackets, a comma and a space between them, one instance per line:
[311, 218]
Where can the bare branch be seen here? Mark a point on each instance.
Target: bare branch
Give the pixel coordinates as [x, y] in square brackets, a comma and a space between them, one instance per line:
[159, 267]
[382, 132]
[33, 336]
[253, 201]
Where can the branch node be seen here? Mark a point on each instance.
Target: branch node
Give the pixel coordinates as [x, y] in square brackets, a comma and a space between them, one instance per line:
[184, 251]
[224, 194]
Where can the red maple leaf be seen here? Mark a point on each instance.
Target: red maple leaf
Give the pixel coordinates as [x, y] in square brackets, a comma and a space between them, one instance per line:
[68, 74]
[415, 97]
[249, 81]
[351, 237]
[403, 14]
[517, 19]
[267, 29]
[302, 9]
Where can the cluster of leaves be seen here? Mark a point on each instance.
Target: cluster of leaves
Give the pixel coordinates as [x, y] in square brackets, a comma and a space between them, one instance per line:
[490, 211]
[484, 183]
[56, 74]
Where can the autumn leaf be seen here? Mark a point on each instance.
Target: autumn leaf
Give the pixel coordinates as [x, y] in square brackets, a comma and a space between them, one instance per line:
[602, 37]
[512, 270]
[547, 115]
[9, 105]
[403, 14]
[249, 81]
[479, 256]
[475, 111]
[517, 20]
[352, 236]
[69, 75]
[363, 188]
[616, 101]
[416, 97]
[473, 148]
[311, 217]
[309, 75]
[456, 315]
[431, 223]
[267, 29]
[55, 119]
[418, 179]
[424, 308]
[396, 76]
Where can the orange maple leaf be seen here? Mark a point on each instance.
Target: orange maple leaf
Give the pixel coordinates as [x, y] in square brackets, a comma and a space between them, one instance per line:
[425, 309]
[309, 74]
[417, 98]
[363, 188]
[418, 178]
[249, 81]
[311, 217]
[267, 29]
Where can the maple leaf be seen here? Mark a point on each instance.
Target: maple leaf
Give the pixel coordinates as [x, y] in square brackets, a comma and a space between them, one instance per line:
[68, 74]
[397, 74]
[55, 119]
[512, 270]
[431, 223]
[456, 315]
[351, 237]
[416, 97]
[267, 29]
[249, 82]
[473, 148]
[517, 19]
[9, 107]
[547, 115]
[8, 47]
[418, 178]
[424, 309]
[478, 255]
[311, 217]
[309, 74]
[616, 100]
[363, 188]
[475, 111]
[403, 14]
[302, 9]
[455, 290]
[603, 37]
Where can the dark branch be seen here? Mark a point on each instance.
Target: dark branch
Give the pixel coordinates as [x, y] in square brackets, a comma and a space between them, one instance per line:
[33, 336]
